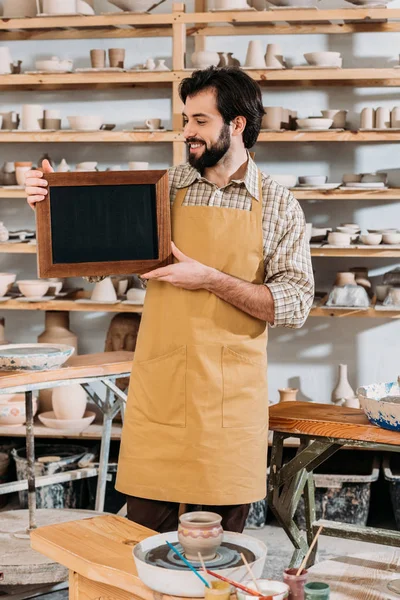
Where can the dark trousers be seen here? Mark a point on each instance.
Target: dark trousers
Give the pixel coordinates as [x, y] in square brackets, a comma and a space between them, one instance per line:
[163, 516]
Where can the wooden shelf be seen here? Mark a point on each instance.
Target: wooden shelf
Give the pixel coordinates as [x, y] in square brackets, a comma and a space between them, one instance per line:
[18, 248]
[330, 136]
[390, 194]
[64, 136]
[357, 251]
[319, 311]
[13, 193]
[69, 304]
[363, 77]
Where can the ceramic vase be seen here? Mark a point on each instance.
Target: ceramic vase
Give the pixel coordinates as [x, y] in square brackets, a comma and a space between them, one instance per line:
[255, 55]
[223, 59]
[161, 66]
[274, 57]
[367, 118]
[104, 291]
[200, 531]
[382, 118]
[57, 330]
[150, 64]
[232, 62]
[205, 58]
[20, 169]
[343, 390]
[69, 402]
[3, 232]
[288, 394]
[5, 60]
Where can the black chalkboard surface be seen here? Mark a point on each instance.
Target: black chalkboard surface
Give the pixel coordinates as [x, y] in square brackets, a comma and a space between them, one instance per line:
[104, 223]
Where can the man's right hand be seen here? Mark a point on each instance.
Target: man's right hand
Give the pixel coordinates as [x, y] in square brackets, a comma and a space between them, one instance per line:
[35, 184]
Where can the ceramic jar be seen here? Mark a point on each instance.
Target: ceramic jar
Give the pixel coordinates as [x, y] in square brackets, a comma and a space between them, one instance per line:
[343, 390]
[288, 394]
[98, 58]
[116, 57]
[31, 115]
[20, 169]
[343, 279]
[150, 64]
[63, 167]
[200, 531]
[69, 402]
[8, 174]
[3, 232]
[255, 55]
[57, 329]
[367, 118]
[205, 58]
[295, 582]
[160, 65]
[5, 60]
[382, 119]
[10, 120]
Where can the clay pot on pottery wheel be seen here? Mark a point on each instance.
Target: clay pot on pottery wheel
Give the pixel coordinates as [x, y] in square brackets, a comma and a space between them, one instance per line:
[69, 402]
[287, 394]
[200, 531]
[345, 279]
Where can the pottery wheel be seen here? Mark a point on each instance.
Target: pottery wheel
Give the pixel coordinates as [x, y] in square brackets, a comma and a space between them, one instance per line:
[228, 556]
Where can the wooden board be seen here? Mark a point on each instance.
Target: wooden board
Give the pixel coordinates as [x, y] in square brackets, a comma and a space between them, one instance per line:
[99, 549]
[85, 365]
[326, 420]
[359, 577]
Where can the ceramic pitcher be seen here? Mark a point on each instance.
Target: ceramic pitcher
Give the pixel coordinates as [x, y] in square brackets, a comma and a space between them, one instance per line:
[5, 60]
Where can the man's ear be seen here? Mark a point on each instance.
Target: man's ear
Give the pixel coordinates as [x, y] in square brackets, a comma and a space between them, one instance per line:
[239, 125]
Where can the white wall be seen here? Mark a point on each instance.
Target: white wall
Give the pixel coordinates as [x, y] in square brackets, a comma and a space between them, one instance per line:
[306, 358]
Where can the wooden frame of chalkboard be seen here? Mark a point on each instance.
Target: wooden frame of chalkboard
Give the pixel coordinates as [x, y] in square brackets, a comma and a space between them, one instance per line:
[103, 223]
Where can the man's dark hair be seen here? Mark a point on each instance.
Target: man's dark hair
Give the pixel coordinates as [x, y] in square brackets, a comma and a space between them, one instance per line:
[237, 95]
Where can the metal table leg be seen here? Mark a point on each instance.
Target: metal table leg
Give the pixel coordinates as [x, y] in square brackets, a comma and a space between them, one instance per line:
[30, 455]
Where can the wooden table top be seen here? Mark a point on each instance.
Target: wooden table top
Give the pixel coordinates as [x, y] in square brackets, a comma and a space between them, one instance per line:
[327, 420]
[102, 364]
[99, 549]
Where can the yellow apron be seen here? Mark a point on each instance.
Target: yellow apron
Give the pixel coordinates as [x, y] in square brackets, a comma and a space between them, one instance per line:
[196, 423]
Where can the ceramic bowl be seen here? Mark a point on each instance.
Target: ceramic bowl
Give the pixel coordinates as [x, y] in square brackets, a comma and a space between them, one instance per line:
[352, 178]
[381, 404]
[371, 239]
[391, 238]
[137, 165]
[288, 181]
[6, 282]
[12, 409]
[136, 6]
[276, 589]
[54, 65]
[56, 285]
[313, 179]
[336, 238]
[33, 287]
[49, 420]
[85, 122]
[33, 357]
[374, 178]
[345, 229]
[314, 123]
[327, 59]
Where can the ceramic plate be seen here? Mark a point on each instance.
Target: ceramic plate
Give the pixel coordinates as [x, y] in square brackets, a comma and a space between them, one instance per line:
[35, 298]
[33, 357]
[49, 420]
[90, 301]
[312, 129]
[372, 186]
[145, 129]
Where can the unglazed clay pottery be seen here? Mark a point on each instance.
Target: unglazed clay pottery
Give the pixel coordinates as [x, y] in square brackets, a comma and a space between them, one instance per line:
[391, 238]
[274, 57]
[382, 117]
[4, 235]
[19, 8]
[150, 64]
[200, 531]
[69, 401]
[287, 394]
[54, 64]
[20, 169]
[31, 115]
[3, 331]
[255, 55]
[49, 419]
[104, 291]
[98, 58]
[5, 60]
[33, 287]
[345, 278]
[313, 179]
[6, 282]
[230, 4]
[336, 238]
[136, 295]
[223, 59]
[338, 117]
[204, 58]
[12, 409]
[381, 404]
[153, 123]
[367, 118]
[314, 123]
[34, 357]
[87, 166]
[57, 330]
[10, 120]
[395, 117]
[63, 167]
[161, 66]
[276, 589]
[232, 62]
[59, 7]
[136, 6]
[343, 389]
[371, 239]
[116, 57]
[323, 59]
[374, 178]
[272, 118]
[86, 122]
[288, 181]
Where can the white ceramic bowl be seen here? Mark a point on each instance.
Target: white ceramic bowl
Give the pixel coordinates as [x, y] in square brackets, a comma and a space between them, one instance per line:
[136, 6]
[352, 226]
[391, 238]
[49, 420]
[288, 181]
[54, 65]
[276, 589]
[86, 122]
[33, 287]
[327, 59]
[336, 238]
[313, 179]
[12, 409]
[314, 123]
[7, 278]
[381, 412]
[371, 239]
[137, 165]
[136, 295]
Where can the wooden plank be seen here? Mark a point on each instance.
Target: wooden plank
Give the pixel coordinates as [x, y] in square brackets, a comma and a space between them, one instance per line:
[13, 193]
[91, 590]
[107, 137]
[71, 306]
[347, 531]
[178, 39]
[341, 313]
[358, 251]
[390, 194]
[295, 16]
[325, 420]
[101, 364]
[110, 32]
[88, 21]
[18, 248]
[329, 136]
[93, 432]
[279, 28]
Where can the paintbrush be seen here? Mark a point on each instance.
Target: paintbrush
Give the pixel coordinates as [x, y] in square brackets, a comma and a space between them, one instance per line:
[250, 572]
[303, 564]
[203, 566]
[240, 586]
[188, 564]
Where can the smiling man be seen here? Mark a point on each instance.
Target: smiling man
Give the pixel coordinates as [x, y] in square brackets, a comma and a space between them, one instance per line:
[196, 422]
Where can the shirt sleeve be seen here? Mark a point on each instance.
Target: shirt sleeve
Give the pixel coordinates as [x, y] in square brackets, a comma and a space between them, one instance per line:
[288, 272]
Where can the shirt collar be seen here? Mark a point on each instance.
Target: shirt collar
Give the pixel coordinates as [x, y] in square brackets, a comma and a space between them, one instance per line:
[250, 179]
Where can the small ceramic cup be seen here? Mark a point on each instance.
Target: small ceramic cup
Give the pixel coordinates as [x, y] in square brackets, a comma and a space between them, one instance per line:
[116, 57]
[153, 123]
[98, 59]
[273, 117]
[316, 590]
[296, 583]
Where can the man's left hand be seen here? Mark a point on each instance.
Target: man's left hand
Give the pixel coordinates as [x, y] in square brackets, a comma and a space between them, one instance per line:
[187, 273]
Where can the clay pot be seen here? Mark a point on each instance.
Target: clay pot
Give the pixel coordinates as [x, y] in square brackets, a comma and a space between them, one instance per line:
[205, 58]
[57, 329]
[98, 59]
[116, 57]
[345, 278]
[382, 120]
[343, 390]
[274, 56]
[69, 402]
[367, 118]
[255, 55]
[287, 394]
[273, 117]
[200, 531]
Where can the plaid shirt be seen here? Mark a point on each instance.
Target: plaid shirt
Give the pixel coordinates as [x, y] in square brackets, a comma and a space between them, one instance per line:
[287, 261]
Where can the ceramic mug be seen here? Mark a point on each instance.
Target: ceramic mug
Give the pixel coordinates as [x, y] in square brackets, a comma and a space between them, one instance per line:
[153, 123]
[20, 169]
[10, 120]
[273, 117]
[98, 59]
[116, 57]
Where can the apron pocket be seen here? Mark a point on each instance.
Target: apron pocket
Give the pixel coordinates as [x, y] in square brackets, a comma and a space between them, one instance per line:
[244, 401]
[160, 388]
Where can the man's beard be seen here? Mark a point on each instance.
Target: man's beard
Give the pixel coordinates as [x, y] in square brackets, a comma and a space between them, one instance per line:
[211, 156]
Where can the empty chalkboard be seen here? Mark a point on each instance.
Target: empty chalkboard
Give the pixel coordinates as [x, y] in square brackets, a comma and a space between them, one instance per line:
[104, 223]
